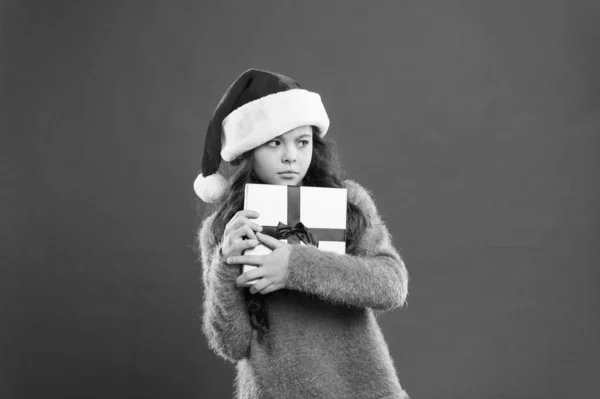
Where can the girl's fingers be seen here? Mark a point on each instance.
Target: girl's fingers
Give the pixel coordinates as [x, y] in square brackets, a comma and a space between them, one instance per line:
[249, 232]
[241, 232]
[255, 260]
[253, 274]
[243, 220]
[269, 241]
[240, 226]
[270, 288]
[242, 215]
[260, 285]
[242, 245]
[249, 213]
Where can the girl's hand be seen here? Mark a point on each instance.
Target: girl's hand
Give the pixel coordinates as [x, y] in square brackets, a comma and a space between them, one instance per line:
[273, 268]
[240, 226]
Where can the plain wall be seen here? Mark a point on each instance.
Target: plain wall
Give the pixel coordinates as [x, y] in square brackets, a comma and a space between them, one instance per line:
[476, 125]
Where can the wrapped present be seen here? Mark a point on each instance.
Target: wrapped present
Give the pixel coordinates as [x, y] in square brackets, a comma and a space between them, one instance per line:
[298, 215]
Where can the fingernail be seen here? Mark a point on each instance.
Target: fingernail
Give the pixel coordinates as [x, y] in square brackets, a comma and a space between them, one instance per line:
[228, 260]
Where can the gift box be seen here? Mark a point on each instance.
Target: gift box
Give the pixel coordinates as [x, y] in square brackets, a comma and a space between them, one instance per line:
[298, 215]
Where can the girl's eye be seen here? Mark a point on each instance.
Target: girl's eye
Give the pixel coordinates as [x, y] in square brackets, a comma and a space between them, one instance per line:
[273, 143]
[304, 143]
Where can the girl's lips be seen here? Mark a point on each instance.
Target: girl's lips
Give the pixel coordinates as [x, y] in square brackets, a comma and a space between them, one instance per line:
[287, 175]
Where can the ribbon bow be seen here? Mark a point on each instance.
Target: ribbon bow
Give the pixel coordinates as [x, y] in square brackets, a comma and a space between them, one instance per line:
[284, 231]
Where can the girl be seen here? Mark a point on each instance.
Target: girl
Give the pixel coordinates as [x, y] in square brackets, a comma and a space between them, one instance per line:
[306, 328]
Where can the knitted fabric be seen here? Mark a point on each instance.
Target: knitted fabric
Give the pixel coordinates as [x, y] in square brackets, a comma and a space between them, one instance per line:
[324, 340]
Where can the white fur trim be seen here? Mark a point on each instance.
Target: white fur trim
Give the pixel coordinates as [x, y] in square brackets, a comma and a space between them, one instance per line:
[210, 188]
[259, 121]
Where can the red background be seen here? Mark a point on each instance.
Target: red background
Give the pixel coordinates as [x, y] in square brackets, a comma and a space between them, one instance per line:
[476, 126]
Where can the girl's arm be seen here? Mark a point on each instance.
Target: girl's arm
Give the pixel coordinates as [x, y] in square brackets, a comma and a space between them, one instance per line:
[225, 317]
[377, 278]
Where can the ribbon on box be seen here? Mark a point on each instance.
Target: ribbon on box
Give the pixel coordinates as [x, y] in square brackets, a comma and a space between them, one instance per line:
[299, 230]
[295, 231]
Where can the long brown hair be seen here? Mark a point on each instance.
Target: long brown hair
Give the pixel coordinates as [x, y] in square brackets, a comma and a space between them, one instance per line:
[324, 171]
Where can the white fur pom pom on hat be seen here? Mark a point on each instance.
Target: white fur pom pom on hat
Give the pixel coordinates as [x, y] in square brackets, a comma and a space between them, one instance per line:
[211, 188]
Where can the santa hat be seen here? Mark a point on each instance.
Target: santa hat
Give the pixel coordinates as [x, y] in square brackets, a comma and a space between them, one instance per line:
[256, 108]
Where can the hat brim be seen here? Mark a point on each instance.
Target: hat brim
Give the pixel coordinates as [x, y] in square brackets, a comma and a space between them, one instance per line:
[261, 120]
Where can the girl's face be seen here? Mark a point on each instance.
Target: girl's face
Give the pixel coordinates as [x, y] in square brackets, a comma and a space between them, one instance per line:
[285, 159]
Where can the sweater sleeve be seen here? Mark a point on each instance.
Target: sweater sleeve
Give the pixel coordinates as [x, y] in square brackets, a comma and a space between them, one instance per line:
[226, 324]
[376, 278]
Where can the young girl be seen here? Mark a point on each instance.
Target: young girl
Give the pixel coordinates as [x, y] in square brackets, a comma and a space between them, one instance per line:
[306, 328]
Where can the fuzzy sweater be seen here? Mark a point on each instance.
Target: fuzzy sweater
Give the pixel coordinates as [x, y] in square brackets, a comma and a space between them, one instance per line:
[325, 340]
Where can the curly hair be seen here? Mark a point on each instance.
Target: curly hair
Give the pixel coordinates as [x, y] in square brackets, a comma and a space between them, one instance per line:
[323, 171]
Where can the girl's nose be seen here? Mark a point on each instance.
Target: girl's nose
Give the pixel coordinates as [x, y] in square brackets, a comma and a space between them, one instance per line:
[289, 153]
